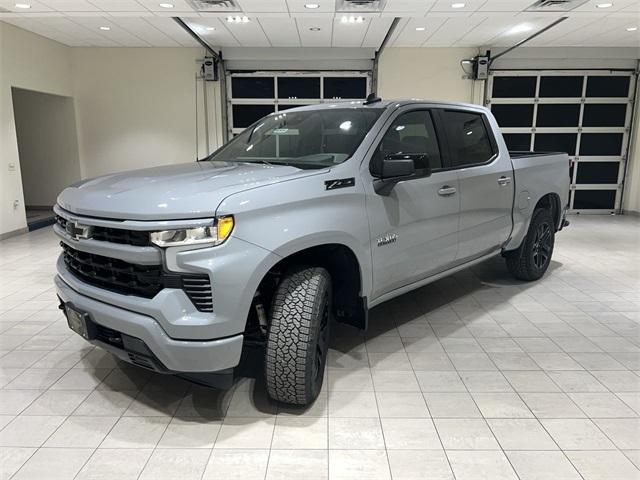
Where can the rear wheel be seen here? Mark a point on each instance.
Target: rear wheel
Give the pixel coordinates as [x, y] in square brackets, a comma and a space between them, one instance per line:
[298, 336]
[531, 260]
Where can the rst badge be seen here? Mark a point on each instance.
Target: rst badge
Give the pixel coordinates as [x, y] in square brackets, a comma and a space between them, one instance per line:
[387, 239]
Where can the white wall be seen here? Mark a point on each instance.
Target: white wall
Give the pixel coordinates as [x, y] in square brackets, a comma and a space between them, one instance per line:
[136, 107]
[429, 73]
[35, 63]
[47, 144]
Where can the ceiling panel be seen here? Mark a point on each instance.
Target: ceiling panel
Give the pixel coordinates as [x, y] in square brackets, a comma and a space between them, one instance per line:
[287, 23]
[315, 38]
[119, 6]
[281, 31]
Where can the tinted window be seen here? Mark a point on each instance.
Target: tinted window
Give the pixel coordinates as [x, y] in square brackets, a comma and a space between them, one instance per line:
[411, 132]
[594, 199]
[518, 141]
[298, 87]
[604, 115]
[598, 172]
[468, 138]
[561, 86]
[252, 87]
[603, 86]
[514, 87]
[345, 87]
[513, 115]
[556, 142]
[245, 115]
[560, 115]
[601, 144]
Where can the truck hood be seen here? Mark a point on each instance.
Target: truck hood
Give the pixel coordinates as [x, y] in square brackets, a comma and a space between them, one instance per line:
[190, 190]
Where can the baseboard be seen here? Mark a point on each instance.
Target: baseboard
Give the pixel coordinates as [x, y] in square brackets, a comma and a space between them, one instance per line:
[14, 233]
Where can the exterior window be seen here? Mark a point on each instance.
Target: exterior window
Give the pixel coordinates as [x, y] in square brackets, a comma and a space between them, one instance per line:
[411, 132]
[468, 138]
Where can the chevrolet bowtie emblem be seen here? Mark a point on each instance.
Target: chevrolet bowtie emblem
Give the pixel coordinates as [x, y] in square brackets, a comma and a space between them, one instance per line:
[77, 231]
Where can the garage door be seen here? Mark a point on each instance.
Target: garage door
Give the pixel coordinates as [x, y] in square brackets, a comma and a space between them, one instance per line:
[584, 113]
[253, 95]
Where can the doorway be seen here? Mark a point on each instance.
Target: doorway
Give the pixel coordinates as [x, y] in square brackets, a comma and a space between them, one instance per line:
[48, 151]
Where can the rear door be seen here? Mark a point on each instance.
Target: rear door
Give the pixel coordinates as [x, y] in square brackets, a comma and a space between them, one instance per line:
[485, 178]
[414, 229]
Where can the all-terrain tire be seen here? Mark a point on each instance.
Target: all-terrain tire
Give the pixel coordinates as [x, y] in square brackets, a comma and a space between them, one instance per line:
[298, 336]
[531, 260]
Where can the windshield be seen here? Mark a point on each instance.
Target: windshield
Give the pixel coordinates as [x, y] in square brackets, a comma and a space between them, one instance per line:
[306, 139]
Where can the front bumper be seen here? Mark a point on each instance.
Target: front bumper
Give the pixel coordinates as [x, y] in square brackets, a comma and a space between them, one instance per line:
[173, 356]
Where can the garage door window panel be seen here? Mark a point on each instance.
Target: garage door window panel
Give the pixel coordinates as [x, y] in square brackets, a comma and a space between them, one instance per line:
[598, 172]
[514, 87]
[513, 115]
[345, 88]
[518, 142]
[252, 87]
[594, 199]
[558, 115]
[556, 142]
[608, 86]
[604, 115]
[601, 144]
[298, 87]
[561, 86]
[245, 115]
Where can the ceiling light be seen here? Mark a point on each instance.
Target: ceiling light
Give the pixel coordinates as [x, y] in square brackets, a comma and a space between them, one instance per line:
[420, 29]
[311, 6]
[166, 5]
[351, 19]
[210, 29]
[237, 19]
[523, 27]
[23, 5]
[604, 5]
[106, 29]
[458, 5]
[315, 29]
[632, 29]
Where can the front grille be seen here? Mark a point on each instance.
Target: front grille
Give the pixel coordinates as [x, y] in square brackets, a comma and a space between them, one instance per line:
[139, 280]
[114, 235]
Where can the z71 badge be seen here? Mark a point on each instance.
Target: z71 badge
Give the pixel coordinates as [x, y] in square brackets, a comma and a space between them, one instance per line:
[387, 239]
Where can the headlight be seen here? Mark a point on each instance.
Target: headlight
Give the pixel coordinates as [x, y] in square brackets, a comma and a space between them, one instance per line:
[212, 235]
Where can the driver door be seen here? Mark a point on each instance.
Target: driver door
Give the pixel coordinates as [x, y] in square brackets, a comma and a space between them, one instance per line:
[414, 229]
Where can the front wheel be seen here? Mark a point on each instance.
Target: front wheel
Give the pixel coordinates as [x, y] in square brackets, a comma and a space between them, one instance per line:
[531, 260]
[298, 336]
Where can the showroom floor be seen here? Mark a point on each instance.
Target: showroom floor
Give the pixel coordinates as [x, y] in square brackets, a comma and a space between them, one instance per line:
[476, 376]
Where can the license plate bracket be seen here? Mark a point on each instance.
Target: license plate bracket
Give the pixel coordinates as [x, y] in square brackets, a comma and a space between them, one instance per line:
[79, 322]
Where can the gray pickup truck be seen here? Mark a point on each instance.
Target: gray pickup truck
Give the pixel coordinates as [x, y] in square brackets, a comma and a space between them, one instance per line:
[310, 215]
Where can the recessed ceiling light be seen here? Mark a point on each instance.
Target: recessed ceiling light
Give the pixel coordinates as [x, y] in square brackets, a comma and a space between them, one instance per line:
[210, 29]
[351, 19]
[311, 6]
[315, 29]
[106, 29]
[23, 5]
[237, 19]
[166, 5]
[632, 29]
[420, 29]
[604, 5]
[458, 5]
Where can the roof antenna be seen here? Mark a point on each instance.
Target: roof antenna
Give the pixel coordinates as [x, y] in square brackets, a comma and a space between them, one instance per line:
[372, 98]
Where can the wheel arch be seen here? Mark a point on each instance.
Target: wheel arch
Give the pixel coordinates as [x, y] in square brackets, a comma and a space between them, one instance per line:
[347, 275]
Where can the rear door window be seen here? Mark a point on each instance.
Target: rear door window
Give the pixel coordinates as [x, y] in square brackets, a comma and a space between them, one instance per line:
[468, 138]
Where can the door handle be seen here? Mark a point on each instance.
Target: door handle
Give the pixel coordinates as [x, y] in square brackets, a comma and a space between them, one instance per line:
[503, 181]
[446, 191]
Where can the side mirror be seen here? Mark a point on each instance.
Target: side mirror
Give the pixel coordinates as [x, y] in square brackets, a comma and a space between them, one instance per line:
[398, 167]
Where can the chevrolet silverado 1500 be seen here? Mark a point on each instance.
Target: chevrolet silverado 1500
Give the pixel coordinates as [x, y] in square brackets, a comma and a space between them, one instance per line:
[310, 215]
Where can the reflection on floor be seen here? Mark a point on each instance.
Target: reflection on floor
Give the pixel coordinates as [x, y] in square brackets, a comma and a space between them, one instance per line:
[476, 375]
[38, 217]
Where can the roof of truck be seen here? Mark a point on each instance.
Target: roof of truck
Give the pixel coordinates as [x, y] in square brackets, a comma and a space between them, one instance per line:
[381, 104]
